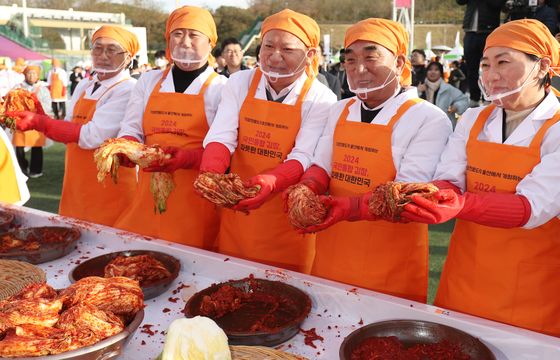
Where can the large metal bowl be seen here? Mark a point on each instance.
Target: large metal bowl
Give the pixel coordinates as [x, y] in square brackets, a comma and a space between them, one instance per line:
[96, 267]
[245, 317]
[47, 251]
[107, 349]
[412, 332]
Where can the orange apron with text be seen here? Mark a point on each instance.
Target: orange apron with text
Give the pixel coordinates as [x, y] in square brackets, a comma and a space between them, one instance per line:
[83, 197]
[174, 119]
[267, 133]
[383, 256]
[58, 91]
[31, 138]
[506, 275]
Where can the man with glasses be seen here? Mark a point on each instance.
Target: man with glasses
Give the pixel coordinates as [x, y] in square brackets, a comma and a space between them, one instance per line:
[94, 115]
[233, 55]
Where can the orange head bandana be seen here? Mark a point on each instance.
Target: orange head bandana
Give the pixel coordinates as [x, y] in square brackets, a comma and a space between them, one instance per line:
[194, 18]
[19, 66]
[125, 38]
[56, 63]
[387, 33]
[29, 68]
[302, 26]
[528, 36]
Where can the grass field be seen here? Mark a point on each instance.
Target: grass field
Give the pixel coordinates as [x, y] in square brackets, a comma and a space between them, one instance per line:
[45, 195]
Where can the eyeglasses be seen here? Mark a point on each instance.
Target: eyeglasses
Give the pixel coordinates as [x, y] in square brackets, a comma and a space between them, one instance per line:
[110, 51]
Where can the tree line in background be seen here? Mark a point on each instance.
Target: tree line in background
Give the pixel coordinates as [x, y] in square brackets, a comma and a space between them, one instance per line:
[233, 22]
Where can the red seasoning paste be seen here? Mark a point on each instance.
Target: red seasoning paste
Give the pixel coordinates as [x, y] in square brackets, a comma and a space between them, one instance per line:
[248, 310]
[390, 348]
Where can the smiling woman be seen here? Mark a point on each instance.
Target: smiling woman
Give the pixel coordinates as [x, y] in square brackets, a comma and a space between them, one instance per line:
[500, 174]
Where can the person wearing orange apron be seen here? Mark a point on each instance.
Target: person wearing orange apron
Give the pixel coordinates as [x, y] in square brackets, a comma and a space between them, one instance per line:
[95, 114]
[270, 119]
[385, 133]
[57, 81]
[499, 177]
[174, 109]
[33, 139]
[13, 188]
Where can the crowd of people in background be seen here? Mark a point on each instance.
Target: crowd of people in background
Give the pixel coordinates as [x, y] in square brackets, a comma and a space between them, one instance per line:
[450, 85]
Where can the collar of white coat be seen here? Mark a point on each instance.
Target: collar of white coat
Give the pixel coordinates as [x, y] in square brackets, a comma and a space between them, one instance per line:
[397, 90]
[168, 85]
[388, 108]
[264, 84]
[115, 79]
[528, 127]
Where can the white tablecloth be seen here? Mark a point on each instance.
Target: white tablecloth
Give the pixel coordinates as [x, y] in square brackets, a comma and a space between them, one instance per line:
[337, 310]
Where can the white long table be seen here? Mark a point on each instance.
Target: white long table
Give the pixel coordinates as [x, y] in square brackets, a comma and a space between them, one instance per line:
[337, 309]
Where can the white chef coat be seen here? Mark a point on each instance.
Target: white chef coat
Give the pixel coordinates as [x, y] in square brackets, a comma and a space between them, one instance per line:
[314, 112]
[63, 76]
[418, 138]
[21, 179]
[132, 124]
[540, 187]
[109, 110]
[8, 79]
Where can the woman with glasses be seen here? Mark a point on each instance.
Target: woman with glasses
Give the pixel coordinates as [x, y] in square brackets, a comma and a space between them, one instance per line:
[174, 108]
[94, 115]
[499, 177]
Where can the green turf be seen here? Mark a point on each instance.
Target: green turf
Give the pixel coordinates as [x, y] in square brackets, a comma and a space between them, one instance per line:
[45, 191]
[45, 195]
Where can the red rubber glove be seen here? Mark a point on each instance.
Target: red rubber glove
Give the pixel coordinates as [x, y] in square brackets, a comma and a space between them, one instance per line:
[180, 159]
[57, 130]
[422, 210]
[215, 159]
[444, 184]
[123, 159]
[276, 180]
[315, 178]
[343, 208]
[496, 209]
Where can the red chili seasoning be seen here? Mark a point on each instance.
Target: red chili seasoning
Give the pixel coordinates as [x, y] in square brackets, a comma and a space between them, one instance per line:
[166, 310]
[310, 336]
[390, 348]
[147, 329]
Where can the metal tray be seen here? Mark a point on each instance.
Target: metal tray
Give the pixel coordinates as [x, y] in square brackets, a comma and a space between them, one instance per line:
[6, 220]
[96, 267]
[46, 252]
[247, 316]
[107, 349]
[412, 332]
